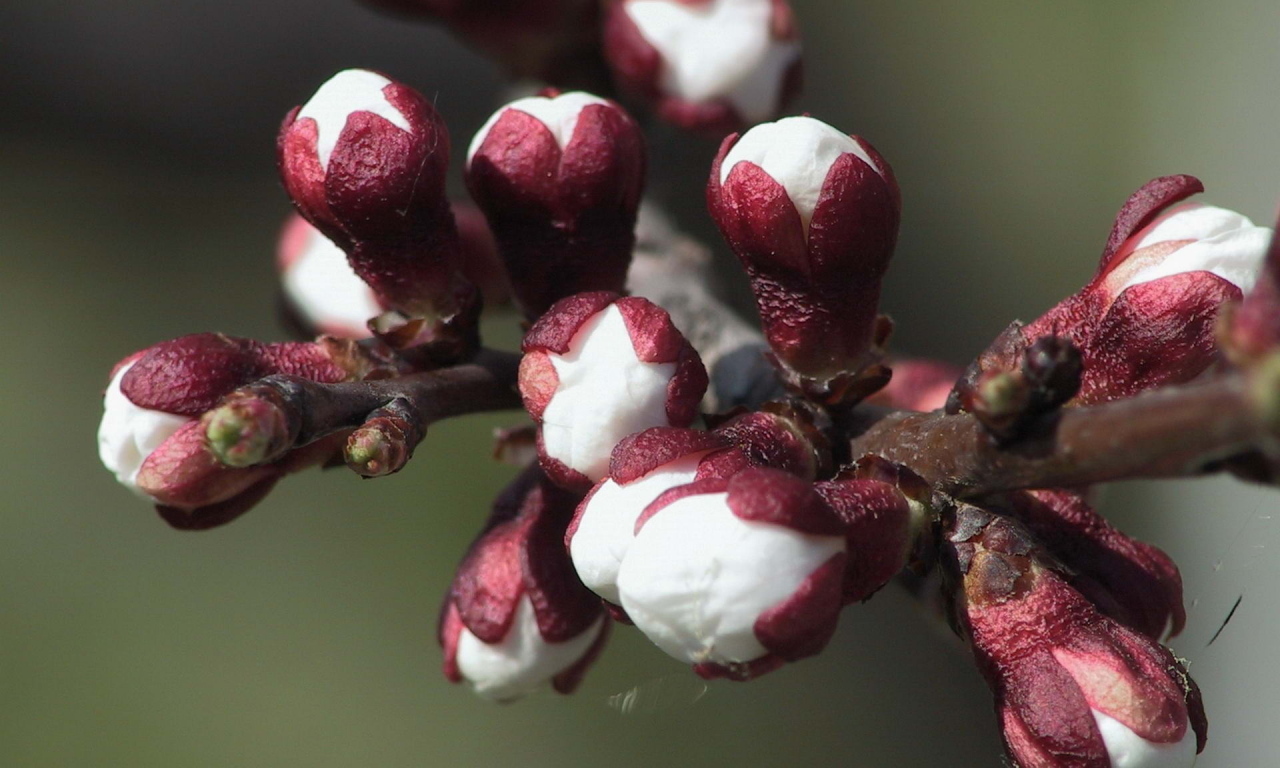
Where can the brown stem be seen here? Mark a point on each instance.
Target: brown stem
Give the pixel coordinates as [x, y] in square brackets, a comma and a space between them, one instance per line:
[311, 410]
[1173, 432]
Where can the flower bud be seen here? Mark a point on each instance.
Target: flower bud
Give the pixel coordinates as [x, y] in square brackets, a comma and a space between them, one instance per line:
[641, 468]
[559, 178]
[706, 65]
[597, 368]
[151, 437]
[736, 576]
[1147, 318]
[813, 216]
[364, 161]
[322, 290]
[1131, 581]
[1072, 687]
[546, 40]
[917, 385]
[516, 617]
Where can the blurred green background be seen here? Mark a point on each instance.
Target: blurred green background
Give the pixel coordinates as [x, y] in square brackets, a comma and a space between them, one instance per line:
[138, 202]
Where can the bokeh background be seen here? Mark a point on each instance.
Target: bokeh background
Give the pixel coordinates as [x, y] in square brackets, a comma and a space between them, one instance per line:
[138, 202]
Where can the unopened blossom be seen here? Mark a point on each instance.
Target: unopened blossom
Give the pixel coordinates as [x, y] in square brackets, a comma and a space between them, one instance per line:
[642, 467]
[736, 576]
[516, 618]
[883, 528]
[598, 368]
[1131, 581]
[1073, 688]
[325, 294]
[151, 436]
[319, 284]
[813, 216]
[917, 385]
[1148, 317]
[559, 178]
[364, 160]
[706, 65]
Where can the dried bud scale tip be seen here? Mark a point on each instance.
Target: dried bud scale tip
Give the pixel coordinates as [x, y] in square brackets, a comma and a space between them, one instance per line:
[736, 576]
[813, 216]
[705, 65]
[559, 178]
[1072, 687]
[597, 368]
[364, 160]
[517, 618]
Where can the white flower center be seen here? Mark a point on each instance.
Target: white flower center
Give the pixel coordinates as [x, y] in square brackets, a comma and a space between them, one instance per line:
[326, 290]
[1222, 242]
[798, 153]
[718, 50]
[1129, 750]
[128, 434]
[605, 393]
[559, 113]
[523, 661]
[697, 577]
[607, 526]
[351, 90]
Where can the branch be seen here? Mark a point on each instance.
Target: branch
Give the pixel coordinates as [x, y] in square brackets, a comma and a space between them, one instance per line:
[1173, 432]
[262, 422]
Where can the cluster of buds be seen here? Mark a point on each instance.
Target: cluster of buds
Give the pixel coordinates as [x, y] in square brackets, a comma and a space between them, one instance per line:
[732, 541]
[705, 65]
[1072, 687]
[813, 216]
[517, 618]
[1148, 318]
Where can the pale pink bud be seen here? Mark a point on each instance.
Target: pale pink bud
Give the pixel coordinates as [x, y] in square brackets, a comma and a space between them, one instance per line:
[813, 216]
[559, 178]
[322, 289]
[1073, 688]
[705, 65]
[517, 618]
[736, 576]
[365, 161]
[917, 385]
[598, 368]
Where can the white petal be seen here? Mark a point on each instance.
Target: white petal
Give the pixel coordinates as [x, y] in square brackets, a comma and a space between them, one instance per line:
[1129, 750]
[605, 394]
[523, 661]
[1235, 256]
[798, 153]
[718, 50]
[351, 90]
[128, 434]
[558, 113]
[325, 289]
[607, 526]
[697, 578]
